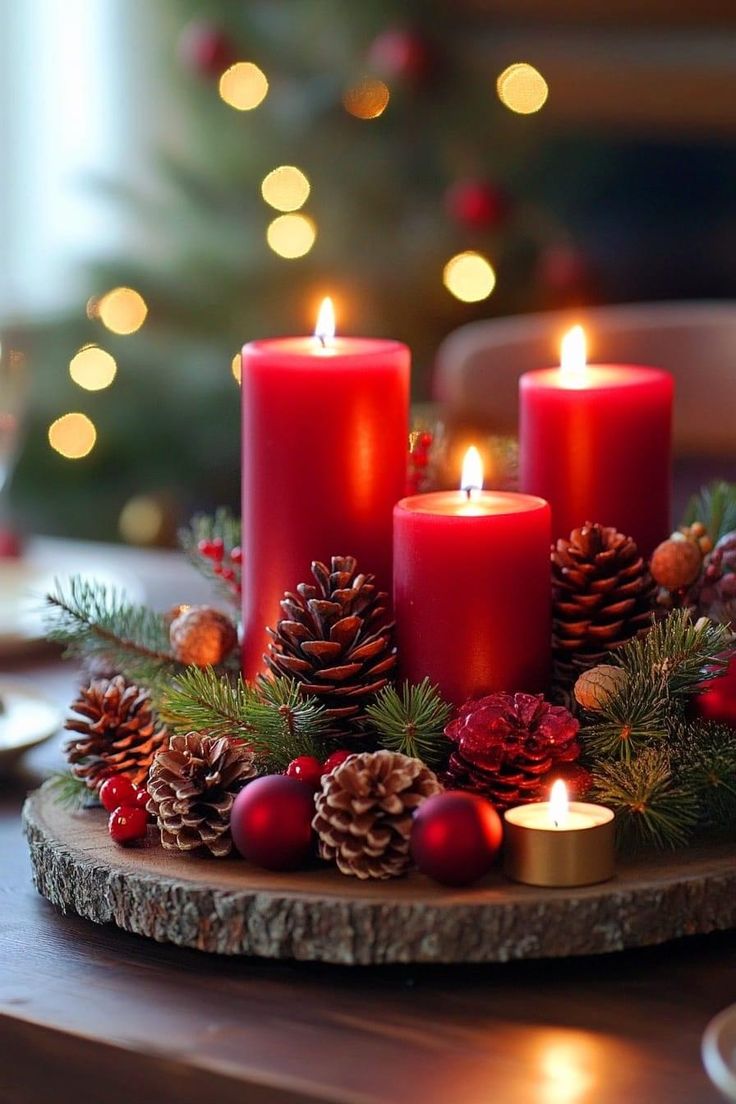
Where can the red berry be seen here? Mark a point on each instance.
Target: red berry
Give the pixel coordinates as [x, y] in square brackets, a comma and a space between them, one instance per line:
[334, 760]
[218, 548]
[141, 798]
[204, 547]
[117, 790]
[227, 574]
[236, 554]
[127, 824]
[307, 769]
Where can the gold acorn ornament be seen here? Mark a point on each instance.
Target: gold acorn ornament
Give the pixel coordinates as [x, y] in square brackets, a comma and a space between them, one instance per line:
[677, 562]
[202, 636]
[596, 686]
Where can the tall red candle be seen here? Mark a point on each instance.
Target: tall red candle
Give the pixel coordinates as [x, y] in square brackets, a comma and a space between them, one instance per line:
[471, 591]
[325, 426]
[595, 441]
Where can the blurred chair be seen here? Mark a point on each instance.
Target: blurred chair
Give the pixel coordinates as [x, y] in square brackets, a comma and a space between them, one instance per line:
[478, 366]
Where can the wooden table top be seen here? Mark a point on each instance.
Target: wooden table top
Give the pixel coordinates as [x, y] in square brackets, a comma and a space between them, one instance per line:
[92, 1012]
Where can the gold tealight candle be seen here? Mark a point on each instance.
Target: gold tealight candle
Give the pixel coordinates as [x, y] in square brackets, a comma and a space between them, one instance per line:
[559, 842]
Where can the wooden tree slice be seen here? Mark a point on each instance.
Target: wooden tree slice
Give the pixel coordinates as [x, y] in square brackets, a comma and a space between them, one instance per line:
[229, 907]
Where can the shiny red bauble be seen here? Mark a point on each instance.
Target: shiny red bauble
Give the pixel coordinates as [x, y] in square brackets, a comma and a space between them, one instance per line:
[128, 824]
[476, 204]
[271, 822]
[455, 837]
[335, 760]
[117, 790]
[306, 769]
[717, 701]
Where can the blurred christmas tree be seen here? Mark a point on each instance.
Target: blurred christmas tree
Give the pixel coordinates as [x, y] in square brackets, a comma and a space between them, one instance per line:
[361, 150]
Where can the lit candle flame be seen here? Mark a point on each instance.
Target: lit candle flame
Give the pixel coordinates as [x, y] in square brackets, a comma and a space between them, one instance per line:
[559, 806]
[573, 363]
[324, 331]
[472, 474]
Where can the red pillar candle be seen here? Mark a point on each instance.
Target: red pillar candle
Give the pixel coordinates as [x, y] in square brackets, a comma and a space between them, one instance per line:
[471, 589]
[325, 423]
[596, 443]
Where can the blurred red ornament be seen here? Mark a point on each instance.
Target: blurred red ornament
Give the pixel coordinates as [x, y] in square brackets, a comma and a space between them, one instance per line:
[271, 822]
[306, 769]
[563, 268]
[455, 837]
[11, 546]
[476, 204]
[717, 701]
[206, 49]
[401, 53]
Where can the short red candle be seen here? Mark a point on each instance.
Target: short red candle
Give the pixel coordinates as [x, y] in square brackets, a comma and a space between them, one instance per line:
[599, 449]
[324, 461]
[471, 591]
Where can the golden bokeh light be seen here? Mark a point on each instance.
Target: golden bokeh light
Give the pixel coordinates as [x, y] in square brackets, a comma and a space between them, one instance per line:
[243, 86]
[522, 88]
[142, 521]
[73, 436]
[469, 276]
[367, 100]
[236, 367]
[92, 368]
[285, 188]
[291, 236]
[122, 310]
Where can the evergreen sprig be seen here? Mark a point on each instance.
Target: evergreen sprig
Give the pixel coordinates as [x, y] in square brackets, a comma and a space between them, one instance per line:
[222, 525]
[651, 807]
[90, 618]
[677, 652]
[412, 721]
[704, 760]
[715, 507]
[69, 791]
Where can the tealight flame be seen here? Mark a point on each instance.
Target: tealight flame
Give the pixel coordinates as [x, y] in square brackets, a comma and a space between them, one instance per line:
[472, 473]
[324, 331]
[573, 361]
[559, 806]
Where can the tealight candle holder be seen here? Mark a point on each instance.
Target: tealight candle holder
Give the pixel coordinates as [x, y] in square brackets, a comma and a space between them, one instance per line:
[559, 843]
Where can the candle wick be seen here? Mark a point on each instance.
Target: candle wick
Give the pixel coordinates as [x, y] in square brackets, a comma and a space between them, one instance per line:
[321, 339]
[556, 823]
[467, 493]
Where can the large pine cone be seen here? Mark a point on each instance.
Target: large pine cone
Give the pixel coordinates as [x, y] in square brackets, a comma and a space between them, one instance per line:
[364, 812]
[602, 595]
[191, 789]
[508, 745]
[335, 639]
[118, 732]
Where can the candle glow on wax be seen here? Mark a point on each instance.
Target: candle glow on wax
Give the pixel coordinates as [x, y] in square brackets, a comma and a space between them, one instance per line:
[324, 331]
[559, 806]
[573, 358]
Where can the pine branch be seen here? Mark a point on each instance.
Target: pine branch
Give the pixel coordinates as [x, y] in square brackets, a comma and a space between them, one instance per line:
[69, 791]
[652, 809]
[677, 652]
[631, 719]
[412, 721]
[715, 507]
[704, 761]
[89, 619]
[200, 700]
[221, 526]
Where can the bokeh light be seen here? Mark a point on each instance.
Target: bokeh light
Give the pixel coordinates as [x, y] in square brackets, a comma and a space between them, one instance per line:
[72, 435]
[291, 236]
[469, 276]
[368, 99]
[285, 188]
[142, 521]
[522, 88]
[122, 310]
[237, 367]
[92, 368]
[243, 86]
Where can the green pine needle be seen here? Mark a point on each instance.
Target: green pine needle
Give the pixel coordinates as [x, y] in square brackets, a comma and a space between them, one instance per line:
[704, 760]
[678, 653]
[715, 507]
[652, 809]
[412, 721]
[69, 791]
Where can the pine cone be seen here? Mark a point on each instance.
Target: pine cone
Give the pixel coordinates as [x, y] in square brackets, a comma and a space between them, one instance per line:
[191, 790]
[714, 595]
[119, 732]
[335, 639]
[602, 595]
[364, 812]
[507, 745]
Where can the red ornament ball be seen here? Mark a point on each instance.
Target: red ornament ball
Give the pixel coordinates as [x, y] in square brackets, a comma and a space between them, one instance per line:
[476, 204]
[455, 837]
[401, 53]
[117, 790]
[717, 700]
[128, 824]
[334, 760]
[271, 822]
[306, 769]
[206, 49]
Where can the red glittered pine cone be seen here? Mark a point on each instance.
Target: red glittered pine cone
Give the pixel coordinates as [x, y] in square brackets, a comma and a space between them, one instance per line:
[508, 745]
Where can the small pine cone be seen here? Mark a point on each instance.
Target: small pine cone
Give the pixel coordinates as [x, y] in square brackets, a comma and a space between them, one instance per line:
[335, 640]
[595, 687]
[364, 812]
[191, 789]
[602, 595]
[117, 730]
[202, 636]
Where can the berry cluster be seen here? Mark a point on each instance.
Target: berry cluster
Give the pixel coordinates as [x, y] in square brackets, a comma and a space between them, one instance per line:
[126, 805]
[225, 564]
[309, 770]
[420, 447]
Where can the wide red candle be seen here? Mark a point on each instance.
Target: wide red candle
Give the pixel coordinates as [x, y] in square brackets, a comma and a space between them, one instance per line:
[596, 443]
[471, 591]
[324, 462]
